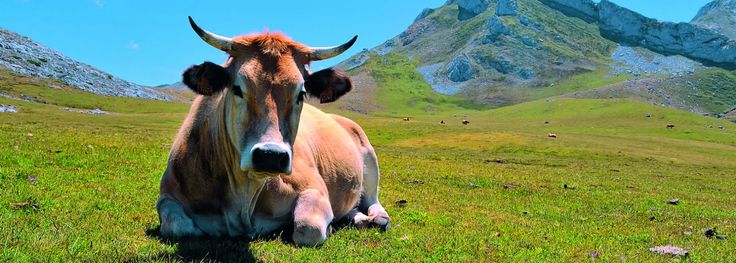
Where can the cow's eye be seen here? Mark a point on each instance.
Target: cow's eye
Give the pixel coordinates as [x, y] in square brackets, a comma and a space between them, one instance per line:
[302, 95]
[237, 91]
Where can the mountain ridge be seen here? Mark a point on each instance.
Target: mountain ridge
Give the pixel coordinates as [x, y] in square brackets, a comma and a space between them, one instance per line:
[27, 57]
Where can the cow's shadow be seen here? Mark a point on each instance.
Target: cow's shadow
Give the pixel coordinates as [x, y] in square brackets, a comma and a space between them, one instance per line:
[209, 249]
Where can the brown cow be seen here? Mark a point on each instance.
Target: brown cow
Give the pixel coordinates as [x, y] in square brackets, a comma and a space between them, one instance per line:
[466, 122]
[252, 157]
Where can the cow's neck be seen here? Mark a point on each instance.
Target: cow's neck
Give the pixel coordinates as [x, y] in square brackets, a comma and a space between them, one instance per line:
[244, 188]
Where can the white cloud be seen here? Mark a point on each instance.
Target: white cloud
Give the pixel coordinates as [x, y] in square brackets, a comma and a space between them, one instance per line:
[133, 45]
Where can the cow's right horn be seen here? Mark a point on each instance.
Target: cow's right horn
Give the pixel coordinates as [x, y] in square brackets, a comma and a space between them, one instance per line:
[220, 42]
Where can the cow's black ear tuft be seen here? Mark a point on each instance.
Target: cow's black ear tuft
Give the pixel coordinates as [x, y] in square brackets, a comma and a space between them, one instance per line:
[207, 78]
[328, 84]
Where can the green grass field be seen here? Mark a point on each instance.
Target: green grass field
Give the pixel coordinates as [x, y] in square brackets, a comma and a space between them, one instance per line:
[83, 187]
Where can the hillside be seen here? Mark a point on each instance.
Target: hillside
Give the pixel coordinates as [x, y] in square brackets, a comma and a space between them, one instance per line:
[719, 15]
[497, 53]
[29, 58]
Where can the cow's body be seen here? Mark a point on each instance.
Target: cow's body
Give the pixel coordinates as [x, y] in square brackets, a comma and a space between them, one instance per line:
[331, 155]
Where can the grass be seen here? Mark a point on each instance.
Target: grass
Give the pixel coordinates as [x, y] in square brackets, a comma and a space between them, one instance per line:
[493, 190]
[403, 91]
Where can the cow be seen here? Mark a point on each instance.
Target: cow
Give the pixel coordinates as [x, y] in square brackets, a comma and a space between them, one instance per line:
[252, 157]
[406, 119]
[670, 126]
[466, 122]
[442, 122]
[552, 135]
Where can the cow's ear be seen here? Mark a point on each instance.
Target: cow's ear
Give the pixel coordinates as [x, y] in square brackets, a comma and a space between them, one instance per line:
[207, 78]
[328, 85]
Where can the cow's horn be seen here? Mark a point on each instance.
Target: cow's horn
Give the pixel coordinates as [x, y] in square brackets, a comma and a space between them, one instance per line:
[320, 53]
[220, 42]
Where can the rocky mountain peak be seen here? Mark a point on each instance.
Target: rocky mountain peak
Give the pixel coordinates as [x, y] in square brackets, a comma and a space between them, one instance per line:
[29, 58]
[718, 15]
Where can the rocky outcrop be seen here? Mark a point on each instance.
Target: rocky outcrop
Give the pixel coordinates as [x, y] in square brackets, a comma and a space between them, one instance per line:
[471, 8]
[628, 27]
[26, 57]
[719, 15]
[460, 69]
[495, 28]
[426, 12]
[583, 9]
[506, 8]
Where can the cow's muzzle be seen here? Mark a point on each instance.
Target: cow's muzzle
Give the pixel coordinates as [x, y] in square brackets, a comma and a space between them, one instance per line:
[271, 158]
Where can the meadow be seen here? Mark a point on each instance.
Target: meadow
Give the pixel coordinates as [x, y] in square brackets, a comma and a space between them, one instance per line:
[81, 187]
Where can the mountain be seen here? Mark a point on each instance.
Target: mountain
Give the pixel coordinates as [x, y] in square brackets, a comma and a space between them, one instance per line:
[491, 53]
[719, 15]
[29, 58]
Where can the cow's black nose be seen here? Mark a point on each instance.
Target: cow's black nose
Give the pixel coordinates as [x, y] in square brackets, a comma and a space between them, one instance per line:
[271, 159]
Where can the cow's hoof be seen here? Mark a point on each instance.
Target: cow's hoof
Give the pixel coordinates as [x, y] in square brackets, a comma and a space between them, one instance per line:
[308, 236]
[382, 223]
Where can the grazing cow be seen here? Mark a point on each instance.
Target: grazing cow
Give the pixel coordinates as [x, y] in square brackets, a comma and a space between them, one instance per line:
[251, 157]
[466, 122]
[552, 135]
[442, 122]
[670, 126]
[406, 119]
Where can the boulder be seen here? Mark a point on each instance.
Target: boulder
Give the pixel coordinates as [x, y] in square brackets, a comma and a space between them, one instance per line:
[460, 69]
[471, 8]
[506, 8]
[495, 28]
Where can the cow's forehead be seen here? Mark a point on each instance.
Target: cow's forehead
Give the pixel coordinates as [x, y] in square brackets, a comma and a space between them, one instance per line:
[270, 60]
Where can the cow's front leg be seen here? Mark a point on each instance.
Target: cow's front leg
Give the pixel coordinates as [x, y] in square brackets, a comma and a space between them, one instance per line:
[312, 217]
[174, 220]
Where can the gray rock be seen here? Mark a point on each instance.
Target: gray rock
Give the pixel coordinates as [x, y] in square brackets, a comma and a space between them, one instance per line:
[524, 20]
[626, 26]
[718, 15]
[26, 57]
[471, 8]
[355, 61]
[529, 41]
[495, 28]
[8, 108]
[460, 69]
[424, 13]
[506, 8]
[583, 9]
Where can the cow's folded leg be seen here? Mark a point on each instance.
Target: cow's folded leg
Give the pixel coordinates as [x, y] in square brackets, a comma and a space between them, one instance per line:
[369, 203]
[312, 217]
[174, 220]
[358, 219]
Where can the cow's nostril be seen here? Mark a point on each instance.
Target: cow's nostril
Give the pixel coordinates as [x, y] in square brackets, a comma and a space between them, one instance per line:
[270, 159]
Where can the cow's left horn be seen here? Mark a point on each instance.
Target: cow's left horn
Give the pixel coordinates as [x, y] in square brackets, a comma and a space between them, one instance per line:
[220, 42]
[320, 53]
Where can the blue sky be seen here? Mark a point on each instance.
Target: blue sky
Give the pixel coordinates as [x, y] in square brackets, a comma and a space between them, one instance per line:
[151, 43]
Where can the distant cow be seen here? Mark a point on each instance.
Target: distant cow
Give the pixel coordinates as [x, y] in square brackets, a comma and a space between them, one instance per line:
[721, 127]
[406, 119]
[466, 122]
[648, 115]
[552, 135]
[442, 122]
[239, 168]
[670, 126]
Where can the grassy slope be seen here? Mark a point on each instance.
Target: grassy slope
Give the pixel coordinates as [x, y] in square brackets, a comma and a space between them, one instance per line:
[97, 203]
[67, 96]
